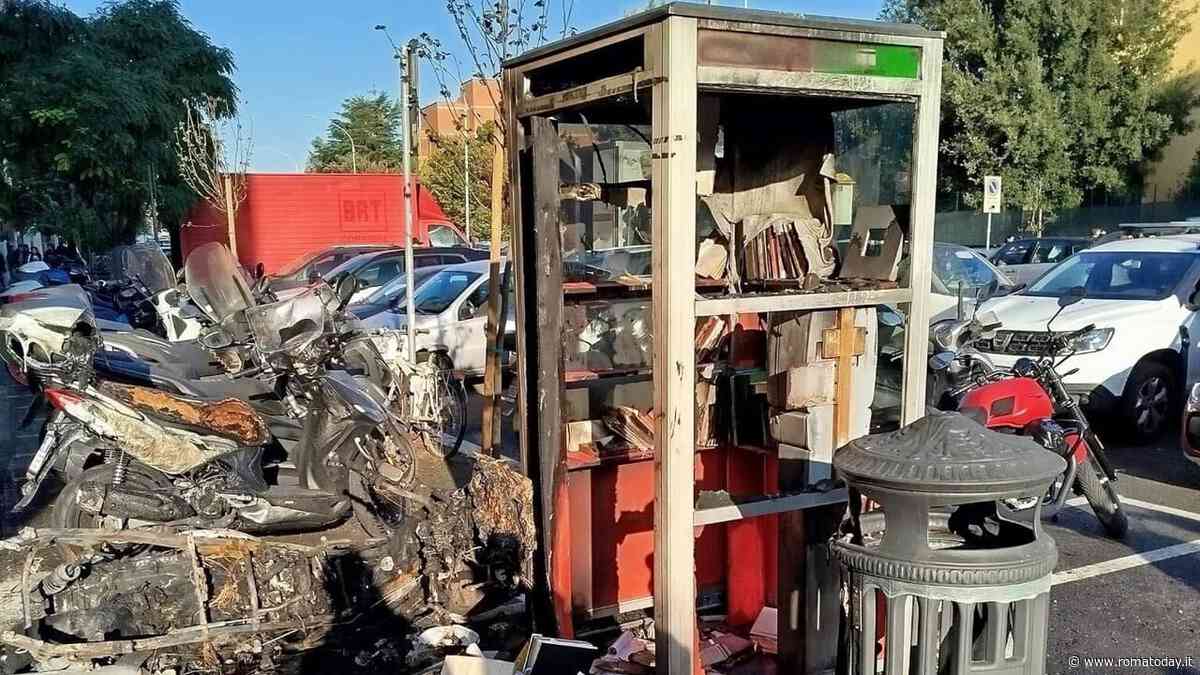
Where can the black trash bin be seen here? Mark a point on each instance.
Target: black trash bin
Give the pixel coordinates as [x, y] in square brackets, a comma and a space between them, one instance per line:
[952, 573]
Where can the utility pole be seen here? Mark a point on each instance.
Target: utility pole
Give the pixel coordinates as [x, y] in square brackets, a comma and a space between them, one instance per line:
[406, 78]
[407, 70]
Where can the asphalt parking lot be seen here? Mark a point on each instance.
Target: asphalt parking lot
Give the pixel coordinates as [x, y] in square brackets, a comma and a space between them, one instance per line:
[1138, 598]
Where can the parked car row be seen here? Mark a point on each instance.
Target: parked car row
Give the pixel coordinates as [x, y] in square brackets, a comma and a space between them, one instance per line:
[450, 286]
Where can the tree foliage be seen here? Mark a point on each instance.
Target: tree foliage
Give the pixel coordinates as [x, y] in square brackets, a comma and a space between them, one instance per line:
[444, 173]
[88, 113]
[1191, 185]
[1059, 97]
[368, 125]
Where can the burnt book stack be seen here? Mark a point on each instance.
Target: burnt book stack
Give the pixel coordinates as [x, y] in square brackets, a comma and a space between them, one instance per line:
[775, 254]
[631, 425]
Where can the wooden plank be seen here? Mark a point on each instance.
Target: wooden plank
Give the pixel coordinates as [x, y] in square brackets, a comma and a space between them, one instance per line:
[547, 435]
[673, 52]
[515, 149]
[591, 92]
[788, 302]
[845, 376]
[921, 233]
[767, 506]
[727, 78]
[492, 377]
[580, 487]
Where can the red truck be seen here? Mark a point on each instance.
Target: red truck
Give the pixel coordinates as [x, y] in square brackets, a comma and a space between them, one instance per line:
[288, 215]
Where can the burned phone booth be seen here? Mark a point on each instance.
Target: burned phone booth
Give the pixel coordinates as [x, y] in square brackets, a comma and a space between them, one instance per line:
[722, 231]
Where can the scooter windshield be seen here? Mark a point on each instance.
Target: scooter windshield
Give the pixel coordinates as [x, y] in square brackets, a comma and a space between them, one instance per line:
[215, 283]
[144, 262]
[291, 325]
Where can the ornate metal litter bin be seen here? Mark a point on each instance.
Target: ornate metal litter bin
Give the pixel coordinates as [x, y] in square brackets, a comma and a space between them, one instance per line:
[952, 573]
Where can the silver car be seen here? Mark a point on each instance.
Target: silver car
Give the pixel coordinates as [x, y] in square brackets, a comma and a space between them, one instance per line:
[1024, 260]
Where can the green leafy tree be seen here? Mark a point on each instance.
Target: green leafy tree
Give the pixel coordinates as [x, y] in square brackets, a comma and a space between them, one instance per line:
[1191, 185]
[88, 113]
[445, 173]
[1060, 97]
[366, 132]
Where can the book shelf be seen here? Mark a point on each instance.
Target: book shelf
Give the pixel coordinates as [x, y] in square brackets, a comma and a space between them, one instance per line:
[731, 108]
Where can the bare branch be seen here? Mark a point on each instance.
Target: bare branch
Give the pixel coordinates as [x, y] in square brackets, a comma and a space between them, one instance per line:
[212, 144]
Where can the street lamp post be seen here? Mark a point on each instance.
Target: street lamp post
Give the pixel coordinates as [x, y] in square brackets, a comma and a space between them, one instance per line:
[404, 63]
[467, 182]
[353, 150]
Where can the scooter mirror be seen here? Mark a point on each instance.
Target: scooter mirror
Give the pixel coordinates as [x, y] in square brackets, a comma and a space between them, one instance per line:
[260, 270]
[941, 360]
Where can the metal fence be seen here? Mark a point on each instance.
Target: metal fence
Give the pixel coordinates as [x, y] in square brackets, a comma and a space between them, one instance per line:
[958, 225]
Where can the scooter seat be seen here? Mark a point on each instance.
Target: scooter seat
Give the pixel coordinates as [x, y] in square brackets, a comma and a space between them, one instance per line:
[228, 418]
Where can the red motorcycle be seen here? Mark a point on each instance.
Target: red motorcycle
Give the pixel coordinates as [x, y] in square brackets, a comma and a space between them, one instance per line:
[1030, 399]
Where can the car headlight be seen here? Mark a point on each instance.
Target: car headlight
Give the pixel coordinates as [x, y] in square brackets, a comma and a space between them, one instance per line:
[1193, 402]
[1092, 341]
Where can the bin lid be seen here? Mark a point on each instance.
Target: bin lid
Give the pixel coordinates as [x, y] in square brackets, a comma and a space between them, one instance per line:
[950, 454]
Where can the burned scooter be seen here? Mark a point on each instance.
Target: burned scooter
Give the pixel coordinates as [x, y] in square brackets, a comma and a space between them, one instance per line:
[162, 458]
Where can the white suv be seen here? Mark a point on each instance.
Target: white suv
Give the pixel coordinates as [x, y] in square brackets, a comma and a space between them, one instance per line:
[1141, 295]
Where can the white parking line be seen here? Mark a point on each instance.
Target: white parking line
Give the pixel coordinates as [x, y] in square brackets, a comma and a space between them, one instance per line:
[1125, 562]
[1081, 502]
[1136, 559]
[1191, 515]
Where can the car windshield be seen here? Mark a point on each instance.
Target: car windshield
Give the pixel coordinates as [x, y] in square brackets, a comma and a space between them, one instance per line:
[394, 288]
[215, 282]
[954, 266]
[350, 266]
[435, 295]
[300, 263]
[1132, 275]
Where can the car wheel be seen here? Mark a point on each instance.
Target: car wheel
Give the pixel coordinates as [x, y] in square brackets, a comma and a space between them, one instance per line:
[1149, 401]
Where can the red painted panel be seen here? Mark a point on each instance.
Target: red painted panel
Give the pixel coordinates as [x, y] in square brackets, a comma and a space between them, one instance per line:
[623, 530]
[286, 216]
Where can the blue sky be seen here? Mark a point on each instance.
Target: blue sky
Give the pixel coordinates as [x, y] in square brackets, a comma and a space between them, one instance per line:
[298, 59]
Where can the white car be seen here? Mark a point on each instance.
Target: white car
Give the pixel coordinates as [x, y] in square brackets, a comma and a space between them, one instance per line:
[1141, 296]
[451, 316]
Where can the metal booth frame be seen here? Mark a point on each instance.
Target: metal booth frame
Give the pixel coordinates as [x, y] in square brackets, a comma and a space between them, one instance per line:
[673, 75]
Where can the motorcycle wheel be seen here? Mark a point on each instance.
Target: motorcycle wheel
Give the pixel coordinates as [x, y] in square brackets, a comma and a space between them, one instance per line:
[447, 439]
[1102, 497]
[66, 513]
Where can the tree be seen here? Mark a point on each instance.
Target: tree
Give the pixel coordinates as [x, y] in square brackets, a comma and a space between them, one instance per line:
[89, 110]
[213, 150]
[1060, 97]
[366, 132]
[1191, 185]
[443, 174]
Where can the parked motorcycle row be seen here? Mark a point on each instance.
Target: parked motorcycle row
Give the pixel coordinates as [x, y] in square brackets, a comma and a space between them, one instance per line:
[183, 417]
[211, 405]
